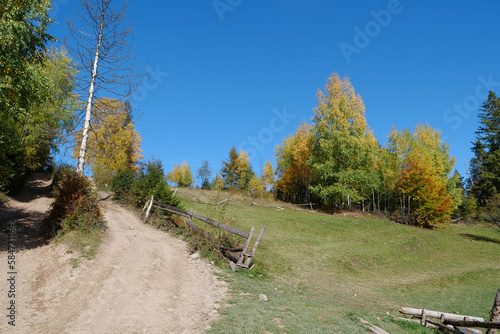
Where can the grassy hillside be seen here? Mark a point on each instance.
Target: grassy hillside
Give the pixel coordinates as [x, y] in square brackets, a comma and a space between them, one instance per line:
[321, 272]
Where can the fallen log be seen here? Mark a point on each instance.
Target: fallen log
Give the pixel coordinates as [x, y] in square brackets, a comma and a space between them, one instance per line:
[438, 315]
[229, 249]
[479, 324]
[450, 329]
[428, 325]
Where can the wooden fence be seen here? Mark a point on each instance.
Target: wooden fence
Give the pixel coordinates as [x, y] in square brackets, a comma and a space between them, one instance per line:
[245, 258]
[455, 323]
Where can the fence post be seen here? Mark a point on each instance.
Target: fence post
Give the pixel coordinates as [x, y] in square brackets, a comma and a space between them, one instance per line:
[245, 247]
[149, 208]
[257, 242]
[189, 222]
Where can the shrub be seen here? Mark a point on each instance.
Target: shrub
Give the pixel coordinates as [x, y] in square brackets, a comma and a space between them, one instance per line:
[136, 190]
[491, 212]
[122, 183]
[163, 194]
[76, 206]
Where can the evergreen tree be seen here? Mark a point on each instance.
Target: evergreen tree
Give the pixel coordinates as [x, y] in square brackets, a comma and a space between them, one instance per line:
[229, 169]
[485, 166]
[151, 181]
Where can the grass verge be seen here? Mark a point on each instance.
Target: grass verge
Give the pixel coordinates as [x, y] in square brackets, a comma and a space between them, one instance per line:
[320, 272]
[83, 244]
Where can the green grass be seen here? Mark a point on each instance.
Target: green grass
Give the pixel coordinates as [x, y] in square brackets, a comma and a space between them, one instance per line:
[3, 198]
[321, 272]
[83, 244]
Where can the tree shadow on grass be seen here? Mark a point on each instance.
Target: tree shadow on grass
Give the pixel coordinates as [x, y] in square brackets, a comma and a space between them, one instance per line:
[480, 238]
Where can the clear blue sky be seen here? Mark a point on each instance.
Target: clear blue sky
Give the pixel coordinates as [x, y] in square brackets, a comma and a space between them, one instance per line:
[246, 72]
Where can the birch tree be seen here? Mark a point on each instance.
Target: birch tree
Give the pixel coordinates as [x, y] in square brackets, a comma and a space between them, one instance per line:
[101, 45]
[114, 145]
[344, 148]
[294, 175]
[422, 167]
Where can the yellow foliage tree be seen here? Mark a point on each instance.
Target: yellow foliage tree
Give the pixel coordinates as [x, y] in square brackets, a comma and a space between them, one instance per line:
[268, 175]
[293, 171]
[244, 169]
[218, 182]
[344, 148]
[256, 187]
[114, 145]
[420, 167]
[181, 174]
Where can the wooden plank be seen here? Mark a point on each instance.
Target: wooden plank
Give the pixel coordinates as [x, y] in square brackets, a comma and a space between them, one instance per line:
[257, 242]
[437, 315]
[372, 327]
[149, 207]
[222, 202]
[245, 247]
[189, 223]
[145, 206]
[195, 227]
[229, 249]
[209, 221]
[171, 208]
[445, 328]
[428, 325]
[479, 324]
[234, 230]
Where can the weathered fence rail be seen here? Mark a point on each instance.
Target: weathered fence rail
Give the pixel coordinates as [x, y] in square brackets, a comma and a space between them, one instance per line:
[245, 257]
[455, 323]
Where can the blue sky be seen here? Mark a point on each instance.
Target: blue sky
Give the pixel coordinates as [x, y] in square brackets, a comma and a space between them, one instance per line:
[246, 72]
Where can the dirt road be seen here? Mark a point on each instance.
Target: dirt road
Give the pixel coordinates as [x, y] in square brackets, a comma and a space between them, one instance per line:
[141, 281]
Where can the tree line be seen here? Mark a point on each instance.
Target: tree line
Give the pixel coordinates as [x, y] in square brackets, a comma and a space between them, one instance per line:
[338, 161]
[335, 160]
[36, 92]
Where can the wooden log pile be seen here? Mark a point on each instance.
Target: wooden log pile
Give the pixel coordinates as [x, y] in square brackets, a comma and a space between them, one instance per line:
[455, 323]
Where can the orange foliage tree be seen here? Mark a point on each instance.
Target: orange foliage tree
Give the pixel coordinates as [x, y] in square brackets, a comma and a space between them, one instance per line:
[428, 197]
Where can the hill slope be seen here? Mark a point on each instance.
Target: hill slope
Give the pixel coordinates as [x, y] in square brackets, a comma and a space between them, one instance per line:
[141, 279]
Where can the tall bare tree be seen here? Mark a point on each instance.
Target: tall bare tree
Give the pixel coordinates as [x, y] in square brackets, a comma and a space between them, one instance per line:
[101, 44]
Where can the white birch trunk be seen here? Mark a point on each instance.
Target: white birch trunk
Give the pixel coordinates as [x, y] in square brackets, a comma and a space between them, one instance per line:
[86, 125]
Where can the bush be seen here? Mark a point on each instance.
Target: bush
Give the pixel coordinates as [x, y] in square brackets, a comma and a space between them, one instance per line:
[122, 183]
[163, 194]
[136, 190]
[491, 212]
[76, 206]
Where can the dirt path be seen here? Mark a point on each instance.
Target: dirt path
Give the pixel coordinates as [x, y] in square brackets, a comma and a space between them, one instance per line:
[141, 281]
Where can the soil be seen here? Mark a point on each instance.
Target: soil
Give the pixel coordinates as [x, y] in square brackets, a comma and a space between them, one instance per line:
[142, 280]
